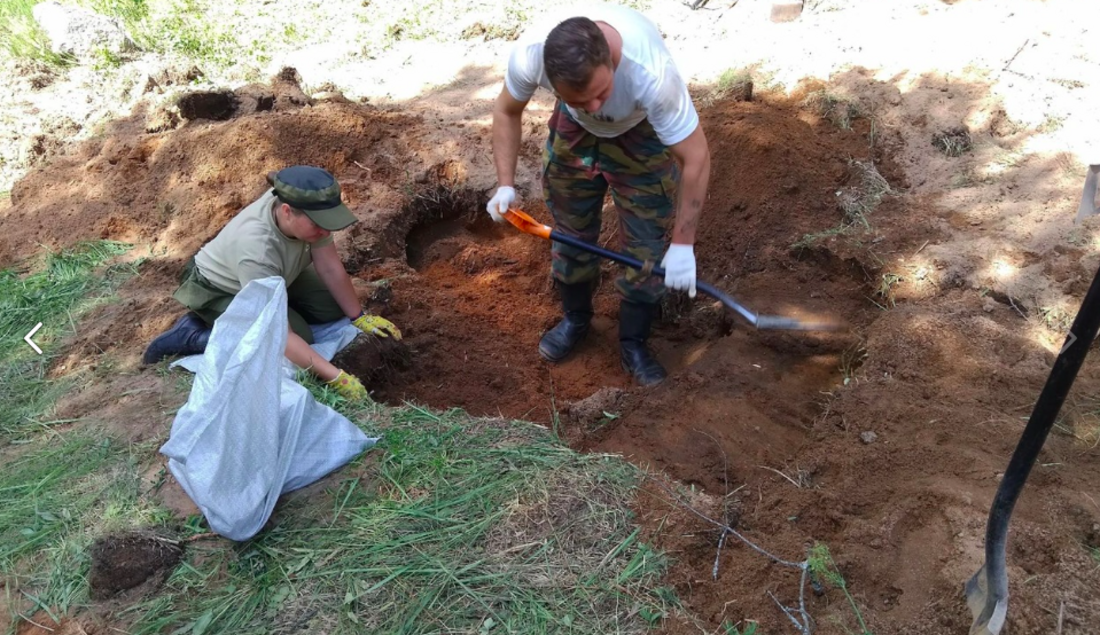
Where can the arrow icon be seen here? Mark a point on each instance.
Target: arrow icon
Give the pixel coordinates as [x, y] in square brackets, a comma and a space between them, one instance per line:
[28, 336]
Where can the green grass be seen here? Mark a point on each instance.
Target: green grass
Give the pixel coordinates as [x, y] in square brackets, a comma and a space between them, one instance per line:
[452, 525]
[53, 491]
[748, 628]
[823, 568]
[68, 284]
[177, 26]
[22, 38]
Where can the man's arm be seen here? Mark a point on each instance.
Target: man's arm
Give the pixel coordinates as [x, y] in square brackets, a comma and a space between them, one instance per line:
[331, 271]
[507, 132]
[693, 153]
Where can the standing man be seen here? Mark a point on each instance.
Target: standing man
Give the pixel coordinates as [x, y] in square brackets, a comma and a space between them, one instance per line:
[624, 120]
[287, 232]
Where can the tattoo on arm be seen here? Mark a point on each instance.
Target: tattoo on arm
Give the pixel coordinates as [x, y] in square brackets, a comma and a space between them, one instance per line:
[696, 203]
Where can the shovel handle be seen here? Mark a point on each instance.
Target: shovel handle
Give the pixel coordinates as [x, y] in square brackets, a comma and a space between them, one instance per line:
[523, 222]
[634, 263]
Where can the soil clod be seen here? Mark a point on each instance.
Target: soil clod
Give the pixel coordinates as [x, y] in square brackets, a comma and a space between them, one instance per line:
[216, 105]
[597, 410]
[125, 561]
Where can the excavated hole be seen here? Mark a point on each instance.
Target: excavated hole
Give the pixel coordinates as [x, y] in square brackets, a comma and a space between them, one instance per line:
[479, 297]
[475, 298]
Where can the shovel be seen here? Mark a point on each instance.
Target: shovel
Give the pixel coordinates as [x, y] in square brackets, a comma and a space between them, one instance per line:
[528, 225]
[1088, 196]
[987, 591]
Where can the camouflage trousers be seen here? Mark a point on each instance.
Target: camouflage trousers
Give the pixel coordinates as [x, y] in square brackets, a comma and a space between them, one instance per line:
[578, 169]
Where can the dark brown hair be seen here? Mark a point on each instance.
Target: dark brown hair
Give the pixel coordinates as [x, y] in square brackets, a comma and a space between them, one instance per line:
[573, 50]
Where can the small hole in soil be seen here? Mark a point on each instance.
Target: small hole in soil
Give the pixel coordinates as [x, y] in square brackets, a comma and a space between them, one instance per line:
[442, 216]
[435, 241]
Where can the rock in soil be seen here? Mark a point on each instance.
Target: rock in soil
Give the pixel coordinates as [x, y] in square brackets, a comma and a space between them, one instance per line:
[373, 359]
[125, 561]
[868, 437]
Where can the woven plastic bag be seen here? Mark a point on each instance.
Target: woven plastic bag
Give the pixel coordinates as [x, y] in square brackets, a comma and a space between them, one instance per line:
[248, 432]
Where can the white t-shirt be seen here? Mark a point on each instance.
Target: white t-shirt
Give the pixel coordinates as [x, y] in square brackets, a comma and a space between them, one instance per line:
[646, 82]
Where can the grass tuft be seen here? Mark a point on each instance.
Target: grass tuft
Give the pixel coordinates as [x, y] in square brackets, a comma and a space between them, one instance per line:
[953, 142]
[66, 286]
[736, 83]
[858, 201]
[22, 38]
[839, 109]
[824, 570]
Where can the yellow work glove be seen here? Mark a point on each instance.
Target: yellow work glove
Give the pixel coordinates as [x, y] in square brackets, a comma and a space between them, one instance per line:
[374, 325]
[349, 387]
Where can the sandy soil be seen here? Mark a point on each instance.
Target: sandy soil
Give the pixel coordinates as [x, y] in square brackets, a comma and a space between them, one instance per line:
[958, 293]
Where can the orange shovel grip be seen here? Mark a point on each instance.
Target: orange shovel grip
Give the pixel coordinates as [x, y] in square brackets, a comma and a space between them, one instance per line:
[523, 222]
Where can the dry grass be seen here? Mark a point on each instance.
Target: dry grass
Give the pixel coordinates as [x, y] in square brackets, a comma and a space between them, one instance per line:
[953, 142]
[859, 200]
[839, 109]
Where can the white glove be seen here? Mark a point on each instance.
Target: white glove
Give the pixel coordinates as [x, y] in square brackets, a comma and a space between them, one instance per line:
[500, 202]
[679, 266]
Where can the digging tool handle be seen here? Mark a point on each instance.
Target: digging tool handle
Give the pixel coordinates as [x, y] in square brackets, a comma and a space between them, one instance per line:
[1061, 378]
[634, 263]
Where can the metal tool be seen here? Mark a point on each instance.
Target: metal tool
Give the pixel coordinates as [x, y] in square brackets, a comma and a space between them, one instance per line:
[528, 225]
[987, 591]
[1088, 196]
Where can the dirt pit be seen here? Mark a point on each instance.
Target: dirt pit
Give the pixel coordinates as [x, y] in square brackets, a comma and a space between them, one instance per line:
[123, 562]
[475, 297]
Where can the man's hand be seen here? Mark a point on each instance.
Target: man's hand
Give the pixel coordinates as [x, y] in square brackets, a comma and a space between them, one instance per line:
[375, 325]
[679, 266]
[500, 202]
[349, 387]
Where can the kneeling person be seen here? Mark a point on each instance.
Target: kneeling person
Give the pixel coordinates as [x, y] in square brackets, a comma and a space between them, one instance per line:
[287, 232]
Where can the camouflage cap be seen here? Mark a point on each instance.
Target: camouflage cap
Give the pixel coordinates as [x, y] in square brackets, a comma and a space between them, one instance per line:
[315, 192]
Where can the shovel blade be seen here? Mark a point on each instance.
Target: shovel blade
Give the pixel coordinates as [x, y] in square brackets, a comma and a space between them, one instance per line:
[776, 322]
[988, 609]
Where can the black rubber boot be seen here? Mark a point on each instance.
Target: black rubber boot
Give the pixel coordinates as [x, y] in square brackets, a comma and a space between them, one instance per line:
[188, 336]
[635, 321]
[576, 302]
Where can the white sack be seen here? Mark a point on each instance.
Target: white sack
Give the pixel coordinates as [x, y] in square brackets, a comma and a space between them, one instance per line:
[249, 433]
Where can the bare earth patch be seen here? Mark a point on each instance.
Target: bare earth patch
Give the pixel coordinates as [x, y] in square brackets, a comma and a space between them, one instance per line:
[958, 271]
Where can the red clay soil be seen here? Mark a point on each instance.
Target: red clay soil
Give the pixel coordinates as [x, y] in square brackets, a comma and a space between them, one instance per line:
[763, 420]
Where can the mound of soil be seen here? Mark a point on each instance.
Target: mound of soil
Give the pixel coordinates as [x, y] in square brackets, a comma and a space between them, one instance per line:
[125, 561]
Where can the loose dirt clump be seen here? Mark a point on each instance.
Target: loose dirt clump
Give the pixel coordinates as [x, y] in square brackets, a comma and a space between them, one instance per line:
[122, 562]
[596, 410]
[216, 105]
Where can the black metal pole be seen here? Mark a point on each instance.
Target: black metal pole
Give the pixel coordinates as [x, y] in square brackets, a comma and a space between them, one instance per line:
[1062, 376]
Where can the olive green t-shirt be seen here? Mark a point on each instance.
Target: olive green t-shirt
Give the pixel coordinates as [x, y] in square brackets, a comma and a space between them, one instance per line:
[252, 246]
